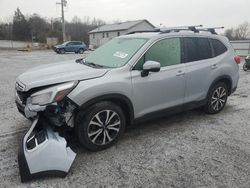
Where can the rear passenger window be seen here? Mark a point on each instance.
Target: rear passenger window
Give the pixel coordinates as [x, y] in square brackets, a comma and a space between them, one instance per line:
[197, 49]
[167, 52]
[218, 47]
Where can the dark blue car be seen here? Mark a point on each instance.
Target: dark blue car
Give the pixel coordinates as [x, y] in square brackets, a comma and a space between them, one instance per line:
[70, 46]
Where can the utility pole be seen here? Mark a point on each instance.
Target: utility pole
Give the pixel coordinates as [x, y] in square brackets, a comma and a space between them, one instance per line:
[63, 4]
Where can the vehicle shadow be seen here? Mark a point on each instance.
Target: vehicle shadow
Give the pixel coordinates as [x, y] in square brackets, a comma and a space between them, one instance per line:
[146, 128]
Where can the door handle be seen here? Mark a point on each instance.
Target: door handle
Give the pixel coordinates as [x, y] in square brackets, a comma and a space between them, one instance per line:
[214, 66]
[180, 73]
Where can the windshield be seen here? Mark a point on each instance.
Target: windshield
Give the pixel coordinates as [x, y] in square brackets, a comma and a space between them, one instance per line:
[63, 44]
[116, 52]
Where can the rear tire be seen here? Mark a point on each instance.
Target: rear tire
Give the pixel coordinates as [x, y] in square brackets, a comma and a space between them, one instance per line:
[217, 98]
[81, 51]
[100, 126]
[245, 67]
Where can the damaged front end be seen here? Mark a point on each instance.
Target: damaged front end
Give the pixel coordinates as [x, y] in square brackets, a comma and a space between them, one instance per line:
[44, 150]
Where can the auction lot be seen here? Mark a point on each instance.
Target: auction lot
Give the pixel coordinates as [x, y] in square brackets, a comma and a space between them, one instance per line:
[190, 149]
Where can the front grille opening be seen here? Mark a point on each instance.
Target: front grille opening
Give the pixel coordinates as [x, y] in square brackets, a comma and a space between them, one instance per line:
[35, 139]
[19, 86]
[23, 96]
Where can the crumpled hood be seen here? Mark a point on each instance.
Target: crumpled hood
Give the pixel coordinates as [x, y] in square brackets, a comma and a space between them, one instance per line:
[58, 73]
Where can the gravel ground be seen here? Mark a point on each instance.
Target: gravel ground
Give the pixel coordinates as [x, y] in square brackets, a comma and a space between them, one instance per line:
[190, 149]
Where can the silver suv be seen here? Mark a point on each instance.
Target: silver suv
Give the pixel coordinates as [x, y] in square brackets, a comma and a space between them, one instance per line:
[130, 78]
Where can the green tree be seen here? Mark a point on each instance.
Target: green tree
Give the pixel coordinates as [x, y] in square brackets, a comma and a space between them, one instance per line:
[21, 29]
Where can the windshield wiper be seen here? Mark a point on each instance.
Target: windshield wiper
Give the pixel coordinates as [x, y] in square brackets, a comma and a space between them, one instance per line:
[91, 64]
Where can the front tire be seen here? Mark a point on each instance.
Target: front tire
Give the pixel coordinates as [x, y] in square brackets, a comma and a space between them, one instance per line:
[217, 98]
[62, 51]
[100, 126]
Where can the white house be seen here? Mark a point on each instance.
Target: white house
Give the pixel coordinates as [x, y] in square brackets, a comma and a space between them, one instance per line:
[104, 33]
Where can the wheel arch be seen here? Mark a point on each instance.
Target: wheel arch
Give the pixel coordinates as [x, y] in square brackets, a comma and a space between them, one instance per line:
[81, 48]
[224, 78]
[118, 99]
[62, 48]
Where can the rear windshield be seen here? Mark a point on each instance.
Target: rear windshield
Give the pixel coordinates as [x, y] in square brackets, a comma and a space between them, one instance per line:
[116, 52]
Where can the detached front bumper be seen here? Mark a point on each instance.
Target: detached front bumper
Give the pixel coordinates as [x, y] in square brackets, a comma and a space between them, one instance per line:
[43, 152]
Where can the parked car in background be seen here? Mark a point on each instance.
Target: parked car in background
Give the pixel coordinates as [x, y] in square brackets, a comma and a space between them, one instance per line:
[70, 46]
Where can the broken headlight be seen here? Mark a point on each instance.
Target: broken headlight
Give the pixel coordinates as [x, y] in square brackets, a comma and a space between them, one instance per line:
[52, 94]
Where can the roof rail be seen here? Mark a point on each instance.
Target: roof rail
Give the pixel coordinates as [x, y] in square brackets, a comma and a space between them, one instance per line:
[144, 31]
[194, 28]
[211, 29]
[180, 28]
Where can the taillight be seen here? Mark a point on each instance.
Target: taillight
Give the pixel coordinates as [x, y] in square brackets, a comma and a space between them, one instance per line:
[237, 59]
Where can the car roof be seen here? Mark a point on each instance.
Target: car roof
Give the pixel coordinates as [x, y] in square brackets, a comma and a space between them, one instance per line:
[147, 35]
[74, 41]
[159, 35]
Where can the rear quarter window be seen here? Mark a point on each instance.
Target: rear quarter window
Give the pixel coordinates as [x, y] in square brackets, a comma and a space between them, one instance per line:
[196, 49]
[218, 47]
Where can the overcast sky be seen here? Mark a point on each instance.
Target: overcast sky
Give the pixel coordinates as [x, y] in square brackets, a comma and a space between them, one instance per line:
[226, 13]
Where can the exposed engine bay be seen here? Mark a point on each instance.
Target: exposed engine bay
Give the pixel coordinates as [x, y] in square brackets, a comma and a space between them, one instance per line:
[60, 114]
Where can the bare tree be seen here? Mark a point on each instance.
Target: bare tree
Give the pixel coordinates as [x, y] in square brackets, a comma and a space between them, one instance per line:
[229, 33]
[39, 28]
[78, 29]
[76, 19]
[116, 21]
[242, 31]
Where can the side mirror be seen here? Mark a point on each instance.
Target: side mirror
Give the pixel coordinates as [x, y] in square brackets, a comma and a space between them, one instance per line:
[150, 66]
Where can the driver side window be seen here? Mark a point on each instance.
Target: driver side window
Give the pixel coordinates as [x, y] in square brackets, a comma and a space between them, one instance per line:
[167, 52]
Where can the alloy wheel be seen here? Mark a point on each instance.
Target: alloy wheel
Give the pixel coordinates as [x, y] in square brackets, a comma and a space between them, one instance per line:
[104, 127]
[219, 98]
[81, 51]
